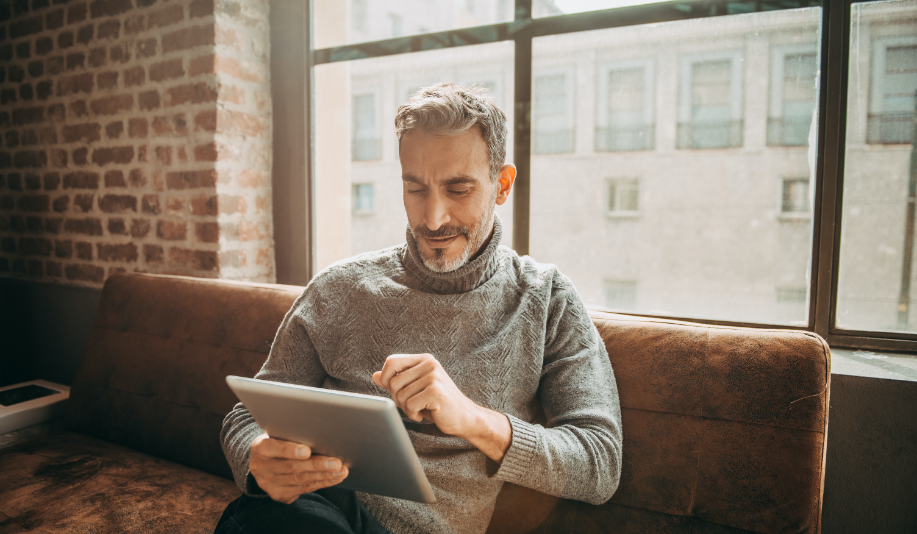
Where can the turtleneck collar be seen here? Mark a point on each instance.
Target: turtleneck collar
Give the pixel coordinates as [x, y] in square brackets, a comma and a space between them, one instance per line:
[467, 277]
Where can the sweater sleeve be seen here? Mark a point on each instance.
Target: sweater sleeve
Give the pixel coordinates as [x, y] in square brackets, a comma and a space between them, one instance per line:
[577, 454]
[293, 359]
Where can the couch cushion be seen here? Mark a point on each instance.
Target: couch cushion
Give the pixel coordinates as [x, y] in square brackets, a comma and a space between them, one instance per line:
[724, 431]
[75, 483]
[152, 376]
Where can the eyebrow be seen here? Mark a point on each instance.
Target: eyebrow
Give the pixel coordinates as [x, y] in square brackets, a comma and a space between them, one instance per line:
[449, 181]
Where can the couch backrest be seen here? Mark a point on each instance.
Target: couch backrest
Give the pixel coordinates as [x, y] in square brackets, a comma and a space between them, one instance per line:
[152, 376]
[724, 428]
[724, 431]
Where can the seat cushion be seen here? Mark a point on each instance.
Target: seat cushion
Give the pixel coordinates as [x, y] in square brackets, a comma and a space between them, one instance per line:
[71, 482]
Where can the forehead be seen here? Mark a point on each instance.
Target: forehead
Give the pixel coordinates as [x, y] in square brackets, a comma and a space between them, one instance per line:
[424, 153]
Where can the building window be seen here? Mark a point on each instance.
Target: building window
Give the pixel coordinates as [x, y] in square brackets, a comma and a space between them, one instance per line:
[552, 114]
[366, 144]
[892, 101]
[394, 25]
[622, 196]
[711, 103]
[358, 15]
[793, 94]
[364, 198]
[621, 295]
[795, 197]
[625, 109]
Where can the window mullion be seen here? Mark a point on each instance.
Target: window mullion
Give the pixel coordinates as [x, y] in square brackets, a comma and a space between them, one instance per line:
[522, 130]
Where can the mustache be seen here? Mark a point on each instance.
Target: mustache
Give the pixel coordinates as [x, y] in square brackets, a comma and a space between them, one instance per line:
[442, 231]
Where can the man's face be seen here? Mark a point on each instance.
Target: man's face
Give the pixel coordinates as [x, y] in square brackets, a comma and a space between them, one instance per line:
[448, 195]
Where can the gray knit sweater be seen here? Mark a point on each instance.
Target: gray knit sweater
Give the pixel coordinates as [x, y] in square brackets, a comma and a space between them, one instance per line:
[511, 333]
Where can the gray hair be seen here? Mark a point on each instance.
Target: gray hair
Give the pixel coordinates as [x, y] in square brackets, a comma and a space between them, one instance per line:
[450, 109]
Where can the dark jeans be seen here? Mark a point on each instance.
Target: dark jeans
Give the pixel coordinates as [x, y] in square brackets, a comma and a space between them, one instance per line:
[329, 510]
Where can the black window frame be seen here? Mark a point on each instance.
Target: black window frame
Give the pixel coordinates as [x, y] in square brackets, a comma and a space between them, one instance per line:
[295, 241]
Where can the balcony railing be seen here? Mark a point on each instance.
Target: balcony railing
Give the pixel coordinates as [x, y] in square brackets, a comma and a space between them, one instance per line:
[890, 128]
[720, 134]
[365, 149]
[788, 131]
[552, 141]
[625, 139]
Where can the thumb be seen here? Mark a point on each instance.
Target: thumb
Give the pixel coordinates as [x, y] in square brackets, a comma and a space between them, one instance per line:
[377, 379]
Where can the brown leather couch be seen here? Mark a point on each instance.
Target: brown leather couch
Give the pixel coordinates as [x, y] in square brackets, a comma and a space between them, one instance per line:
[724, 428]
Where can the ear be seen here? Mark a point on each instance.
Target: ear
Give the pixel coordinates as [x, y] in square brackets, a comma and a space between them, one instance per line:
[505, 182]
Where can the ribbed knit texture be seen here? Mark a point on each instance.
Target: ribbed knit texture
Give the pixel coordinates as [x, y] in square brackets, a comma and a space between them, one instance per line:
[511, 333]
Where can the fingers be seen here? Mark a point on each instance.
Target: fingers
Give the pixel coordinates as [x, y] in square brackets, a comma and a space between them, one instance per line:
[398, 363]
[277, 448]
[410, 397]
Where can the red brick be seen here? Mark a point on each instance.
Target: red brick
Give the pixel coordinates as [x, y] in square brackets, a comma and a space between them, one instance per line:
[149, 100]
[80, 155]
[166, 16]
[140, 228]
[54, 269]
[56, 112]
[201, 260]
[204, 205]
[36, 268]
[34, 224]
[137, 128]
[175, 204]
[188, 38]
[107, 80]
[76, 13]
[150, 204]
[113, 130]
[191, 179]
[117, 227]
[35, 246]
[76, 60]
[137, 178]
[103, 8]
[134, 76]
[208, 232]
[83, 226]
[135, 24]
[231, 204]
[152, 253]
[81, 180]
[52, 181]
[121, 252]
[200, 8]
[118, 203]
[201, 65]
[206, 152]
[23, 116]
[54, 19]
[164, 155]
[30, 159]
[182, 153]
[84, 272]
[233, 258]
[105, 156]
[24, 27]
[239, 122]
[172, 230]
[167, 70]
[251, 178]
[34, 203]
[63, 249]
[61, 204]
[110, 29]
[230, 93]
[227, 37]
[83, 251]
[146, 48]
[111, 105]
[81, 83]
[193, 93]
[86, 133]
[78, 109]
[120, 53]
[53, 225]
[168, 125]
[83, 202]
[84, 34]
[206, 120]
[98, 57]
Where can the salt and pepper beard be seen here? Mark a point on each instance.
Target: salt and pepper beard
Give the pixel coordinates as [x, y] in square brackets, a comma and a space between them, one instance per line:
[474, 239]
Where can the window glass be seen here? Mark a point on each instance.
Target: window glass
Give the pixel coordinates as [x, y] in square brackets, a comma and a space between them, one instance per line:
[374, 20]
[552, 113]
[670, 200]
[793, 96]
[550, 8]
[876, 275]
[359, 204]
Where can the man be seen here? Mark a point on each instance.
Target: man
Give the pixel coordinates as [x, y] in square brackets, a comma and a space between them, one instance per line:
[473, 343]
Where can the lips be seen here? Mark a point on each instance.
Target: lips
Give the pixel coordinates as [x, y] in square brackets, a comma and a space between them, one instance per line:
[439, 242]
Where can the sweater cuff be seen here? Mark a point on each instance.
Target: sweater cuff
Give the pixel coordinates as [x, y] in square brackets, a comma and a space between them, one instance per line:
[252, 489]
[517, 461]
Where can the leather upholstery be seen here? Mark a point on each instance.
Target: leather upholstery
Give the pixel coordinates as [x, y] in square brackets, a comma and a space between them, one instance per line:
[724, 428]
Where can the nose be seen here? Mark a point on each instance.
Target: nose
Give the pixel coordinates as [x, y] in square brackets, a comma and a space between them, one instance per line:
[437, 212]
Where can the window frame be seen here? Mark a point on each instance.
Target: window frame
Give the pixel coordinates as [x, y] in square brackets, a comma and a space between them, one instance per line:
[834, 52]
[602, 112]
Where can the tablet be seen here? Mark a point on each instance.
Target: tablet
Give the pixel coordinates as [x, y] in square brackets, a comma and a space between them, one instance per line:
[365, 432]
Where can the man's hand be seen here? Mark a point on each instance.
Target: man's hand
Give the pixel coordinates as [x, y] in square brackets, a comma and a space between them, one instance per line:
[285, 470]
[421, 388]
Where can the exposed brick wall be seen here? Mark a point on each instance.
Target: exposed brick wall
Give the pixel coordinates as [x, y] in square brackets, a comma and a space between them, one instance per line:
[136, 136]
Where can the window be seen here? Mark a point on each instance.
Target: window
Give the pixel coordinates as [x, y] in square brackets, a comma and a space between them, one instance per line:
[894, 79]
[394, 25]
[711, 107]
[623, 196]
[795, 197]
[621, 295]
[363, 198]
[552, 113]
[625, 108]
[793, 94]
[365, 144]
[358, 15]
